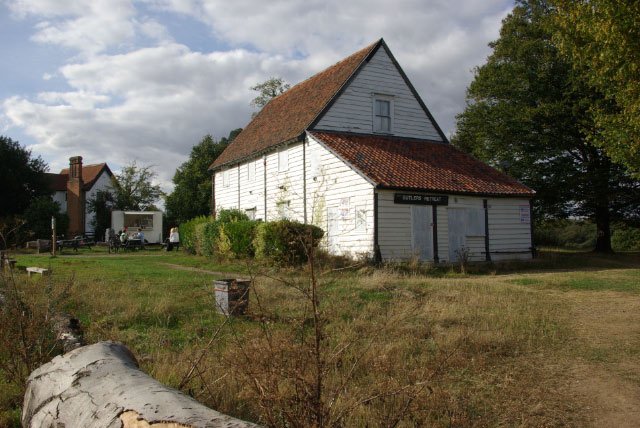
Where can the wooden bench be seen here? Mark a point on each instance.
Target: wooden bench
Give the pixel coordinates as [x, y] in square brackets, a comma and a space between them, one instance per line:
[173, 244]
[41, 271]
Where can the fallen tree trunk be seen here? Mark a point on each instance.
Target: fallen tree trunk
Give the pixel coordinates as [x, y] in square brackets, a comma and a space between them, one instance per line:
[101, 385]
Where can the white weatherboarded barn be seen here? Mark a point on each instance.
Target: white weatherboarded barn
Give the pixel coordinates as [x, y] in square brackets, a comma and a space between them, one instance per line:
[355, 151]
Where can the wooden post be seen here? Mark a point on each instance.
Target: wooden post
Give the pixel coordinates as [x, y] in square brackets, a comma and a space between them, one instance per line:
[53, 237]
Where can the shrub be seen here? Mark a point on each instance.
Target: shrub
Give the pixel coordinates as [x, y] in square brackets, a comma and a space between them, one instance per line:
[188, 232]
[565, 233]
[626, 239]
[231, 215]
[284, 241]
[240, 236]
[209, 238]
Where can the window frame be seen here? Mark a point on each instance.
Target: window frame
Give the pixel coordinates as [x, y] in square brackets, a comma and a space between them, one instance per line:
[374, 101]
[251, 168]
[283, 158]
[226, 177]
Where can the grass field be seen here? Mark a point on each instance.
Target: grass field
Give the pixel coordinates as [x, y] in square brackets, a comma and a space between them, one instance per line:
[550, 342]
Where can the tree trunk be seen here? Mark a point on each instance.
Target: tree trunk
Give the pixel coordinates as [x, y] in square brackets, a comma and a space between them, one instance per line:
[603, 225]
[101, 386]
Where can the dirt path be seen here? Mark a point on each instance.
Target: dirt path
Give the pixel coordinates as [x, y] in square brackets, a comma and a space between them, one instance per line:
[604, 373]
[193, 269]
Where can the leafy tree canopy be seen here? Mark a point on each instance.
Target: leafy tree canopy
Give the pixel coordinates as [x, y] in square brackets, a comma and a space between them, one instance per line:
[191, 196]
[602, 38]
[133, 189]
[268, 90]
[528, 114]
[38, 218]
[22, 176]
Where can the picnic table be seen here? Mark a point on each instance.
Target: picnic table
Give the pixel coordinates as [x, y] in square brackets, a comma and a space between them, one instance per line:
[134, 244]
[73, 243]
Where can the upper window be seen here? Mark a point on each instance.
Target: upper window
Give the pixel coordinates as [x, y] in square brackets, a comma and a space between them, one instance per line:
[283, 159]
[225, 178]
[382, 114]
[251, 170]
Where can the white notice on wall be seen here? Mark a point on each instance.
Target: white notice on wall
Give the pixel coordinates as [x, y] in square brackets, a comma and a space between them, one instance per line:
[344, 207]
[525, 214]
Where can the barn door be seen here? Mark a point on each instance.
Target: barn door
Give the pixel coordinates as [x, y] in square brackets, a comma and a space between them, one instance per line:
[457, 231]
[333, 230]
[422, 231]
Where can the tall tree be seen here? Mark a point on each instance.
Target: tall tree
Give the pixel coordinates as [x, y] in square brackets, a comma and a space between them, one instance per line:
[268, 90]
[191, 196]
[602, 38]
[528, 113]
[133, 188]
[22, 177]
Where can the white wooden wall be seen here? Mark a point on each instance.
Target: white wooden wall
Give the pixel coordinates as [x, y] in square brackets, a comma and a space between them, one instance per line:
[508, 237]
[329, 182]
[353, 110]
[333, 182]
[102, 183]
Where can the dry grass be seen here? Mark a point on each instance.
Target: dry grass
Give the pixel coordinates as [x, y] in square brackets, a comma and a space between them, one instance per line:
[502, 348]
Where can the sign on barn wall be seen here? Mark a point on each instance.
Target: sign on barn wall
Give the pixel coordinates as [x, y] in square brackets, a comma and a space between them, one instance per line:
[408, 198]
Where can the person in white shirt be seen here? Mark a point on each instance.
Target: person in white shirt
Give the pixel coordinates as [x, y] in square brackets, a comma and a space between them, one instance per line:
[174, 238]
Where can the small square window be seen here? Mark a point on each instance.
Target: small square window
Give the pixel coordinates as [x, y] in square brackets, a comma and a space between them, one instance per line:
[283, 209]
[251, 213]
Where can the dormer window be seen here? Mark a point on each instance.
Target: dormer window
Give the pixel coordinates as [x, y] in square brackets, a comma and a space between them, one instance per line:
[382, 114]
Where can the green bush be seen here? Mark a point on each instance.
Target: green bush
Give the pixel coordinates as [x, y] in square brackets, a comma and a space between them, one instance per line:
[240, 236]
[231, 215]
[188, 232]
[626, 239]
[230, 235]
[284, 241]
[565, 233]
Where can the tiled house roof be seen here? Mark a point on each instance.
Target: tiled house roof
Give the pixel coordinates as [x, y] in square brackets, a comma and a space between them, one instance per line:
[288, 115]
[58, 182]
[90, 174]
[398, 163]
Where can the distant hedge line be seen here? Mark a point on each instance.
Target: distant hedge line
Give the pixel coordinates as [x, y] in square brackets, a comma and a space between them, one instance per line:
[233, 235]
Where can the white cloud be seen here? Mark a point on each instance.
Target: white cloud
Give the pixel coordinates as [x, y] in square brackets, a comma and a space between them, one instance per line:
[124, 101]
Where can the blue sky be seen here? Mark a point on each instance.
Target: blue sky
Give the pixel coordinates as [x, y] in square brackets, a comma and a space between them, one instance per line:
[122, 80]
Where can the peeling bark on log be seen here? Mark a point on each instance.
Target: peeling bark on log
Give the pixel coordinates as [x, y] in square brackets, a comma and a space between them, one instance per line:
[101, 385]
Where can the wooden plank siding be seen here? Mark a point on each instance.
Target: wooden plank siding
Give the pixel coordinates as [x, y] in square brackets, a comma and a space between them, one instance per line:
[335, 181]
[353, 110]
[508, 238]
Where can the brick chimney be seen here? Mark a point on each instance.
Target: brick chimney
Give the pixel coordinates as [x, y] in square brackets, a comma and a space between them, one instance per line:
[75, 197]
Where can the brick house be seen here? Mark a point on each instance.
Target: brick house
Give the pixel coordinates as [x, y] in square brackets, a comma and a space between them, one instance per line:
[74, 186]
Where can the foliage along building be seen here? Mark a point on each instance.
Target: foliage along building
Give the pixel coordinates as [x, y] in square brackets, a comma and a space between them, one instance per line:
[73, 187]
[355, 150]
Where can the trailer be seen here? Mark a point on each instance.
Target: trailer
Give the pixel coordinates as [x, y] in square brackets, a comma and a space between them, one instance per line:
[149, 221]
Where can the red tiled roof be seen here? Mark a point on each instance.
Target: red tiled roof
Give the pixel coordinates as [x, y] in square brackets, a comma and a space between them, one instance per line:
[288, 115]
[420, 165]
[90, 174]
[58, 181]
